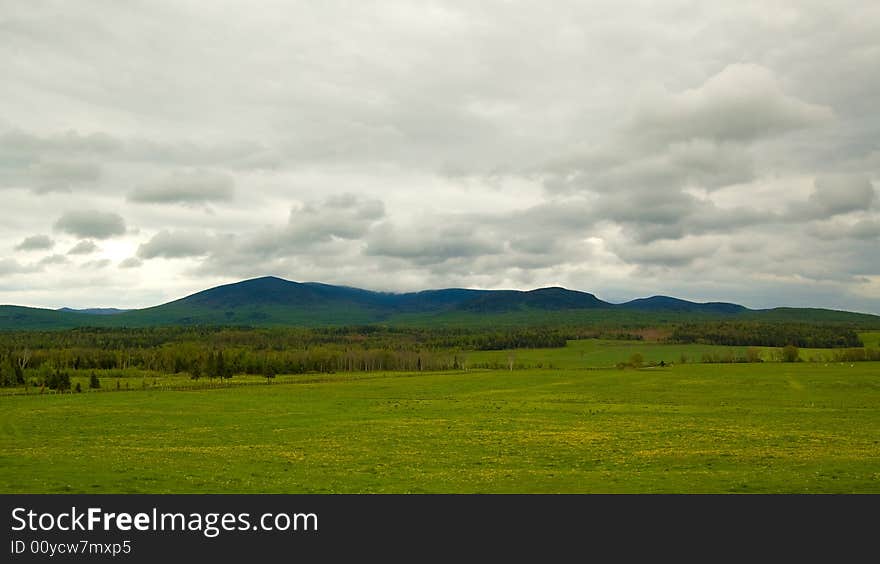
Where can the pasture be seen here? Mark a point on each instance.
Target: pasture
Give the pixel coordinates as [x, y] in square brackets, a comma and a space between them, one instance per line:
[768, 427]
[604, 353]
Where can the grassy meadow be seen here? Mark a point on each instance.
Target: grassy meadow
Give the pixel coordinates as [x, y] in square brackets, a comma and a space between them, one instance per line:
[769, 427]
[602, 353]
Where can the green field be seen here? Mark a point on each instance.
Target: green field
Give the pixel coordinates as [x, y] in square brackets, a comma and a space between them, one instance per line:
[770, 427]
[600, 353]
[871, 339]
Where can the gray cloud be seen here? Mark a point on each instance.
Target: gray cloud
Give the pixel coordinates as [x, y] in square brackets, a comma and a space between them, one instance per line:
[95, 264]
[83, 248]
[618, 150]
[193, 187]
[12, 266]
[342, 217]
[17, 144]
[177, 244]
[322, 231]
[433, 243]
[53, 259]
[72, 154]
[743, 102]
[35, 243]
[836, 230]
[131, 262]
[91, 224]
[644, 178]
[63, 176]
[841, 194]
[667, 253]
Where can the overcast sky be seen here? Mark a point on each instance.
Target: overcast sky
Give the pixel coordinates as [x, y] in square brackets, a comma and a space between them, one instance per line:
[706, 150]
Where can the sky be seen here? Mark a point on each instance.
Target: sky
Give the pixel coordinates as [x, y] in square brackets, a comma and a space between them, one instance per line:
[713, 151]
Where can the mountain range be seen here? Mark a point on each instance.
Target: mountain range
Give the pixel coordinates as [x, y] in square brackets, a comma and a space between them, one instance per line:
[272, 301]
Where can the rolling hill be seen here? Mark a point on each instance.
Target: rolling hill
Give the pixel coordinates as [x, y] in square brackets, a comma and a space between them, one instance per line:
[271, 301]
[666, 303]
[95, 310]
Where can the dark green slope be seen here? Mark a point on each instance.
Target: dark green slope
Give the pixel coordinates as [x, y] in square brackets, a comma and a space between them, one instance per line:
[433, 301]
[19, 317]
[666, 303]
[272, 291]
[813, 315]
[95, 310]
[271, 301]
[264, 301]
[546, 299]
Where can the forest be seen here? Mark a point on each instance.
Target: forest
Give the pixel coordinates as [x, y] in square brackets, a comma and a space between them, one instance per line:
[732, 333]
[46, 357]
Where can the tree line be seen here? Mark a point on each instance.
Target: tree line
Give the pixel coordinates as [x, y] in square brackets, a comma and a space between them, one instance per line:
[43, 357]
[803, 335]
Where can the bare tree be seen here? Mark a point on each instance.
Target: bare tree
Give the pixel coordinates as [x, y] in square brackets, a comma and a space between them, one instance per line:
[23, 358]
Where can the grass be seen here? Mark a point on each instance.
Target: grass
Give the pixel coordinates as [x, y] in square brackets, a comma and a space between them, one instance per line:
[871, 339]
[598, 353]
[804, 427]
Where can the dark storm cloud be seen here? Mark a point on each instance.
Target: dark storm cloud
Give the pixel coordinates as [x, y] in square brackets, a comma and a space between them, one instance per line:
[35, 243]
[91, 224]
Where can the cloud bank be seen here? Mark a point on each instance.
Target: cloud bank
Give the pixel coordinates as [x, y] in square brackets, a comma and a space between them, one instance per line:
[716, 152]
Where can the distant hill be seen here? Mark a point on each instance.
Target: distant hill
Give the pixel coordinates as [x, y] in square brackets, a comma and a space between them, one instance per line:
[95, 310]
[271, 301]
[19, 317]
[551, 299]
[665, 303]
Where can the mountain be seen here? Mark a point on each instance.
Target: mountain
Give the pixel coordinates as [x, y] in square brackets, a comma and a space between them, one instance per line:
[95, 310]
[666, 303]
[272, 301]
[551, 299]
[20, 317]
